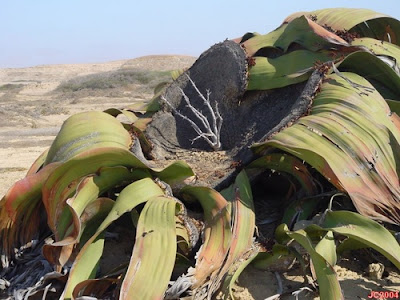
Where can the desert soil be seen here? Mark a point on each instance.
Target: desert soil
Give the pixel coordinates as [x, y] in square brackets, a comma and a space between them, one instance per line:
[32, 111]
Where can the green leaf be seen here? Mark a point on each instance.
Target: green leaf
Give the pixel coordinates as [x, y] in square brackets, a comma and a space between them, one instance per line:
[365, 22]
[378, 47]
[308, 34]
[350, 244]
[328, 283]
[357, 142]
[20, 210]
[174, 173]
[380, 74]
[93, 215]
[303, 209]
[217, 233]
[131, 117]
[131, 196]
[87, 267]
[394, 105]
[88, 190]
[176, 73]
[264, 260]
[26, 189]
[134, 194]
[327, 248]
[243, 227]
[38, 163]
[62, 182]
[257, 42]
[86, 131]
[232, 276]
[61, 252]
[153, 256]
[365, 231]
[291, 68]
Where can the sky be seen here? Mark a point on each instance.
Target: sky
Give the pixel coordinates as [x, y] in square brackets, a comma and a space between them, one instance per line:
[37, 32]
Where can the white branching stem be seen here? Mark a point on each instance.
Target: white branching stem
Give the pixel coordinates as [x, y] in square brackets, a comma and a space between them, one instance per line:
[212, 132]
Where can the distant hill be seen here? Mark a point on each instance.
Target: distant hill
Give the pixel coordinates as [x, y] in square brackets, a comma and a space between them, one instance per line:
[58, 73]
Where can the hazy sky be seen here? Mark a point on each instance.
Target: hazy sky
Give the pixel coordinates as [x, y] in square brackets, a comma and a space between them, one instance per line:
[35, 32]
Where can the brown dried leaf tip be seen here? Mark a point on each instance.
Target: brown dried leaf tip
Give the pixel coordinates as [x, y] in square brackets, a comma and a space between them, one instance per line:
[251, 62]
[347, 36]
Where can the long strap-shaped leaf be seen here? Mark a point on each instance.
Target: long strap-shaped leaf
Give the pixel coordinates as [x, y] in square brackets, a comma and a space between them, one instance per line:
[217, 233]
[153, 256]
[85, 131]
[63, 181]
[350, 132]
[308, 34]
[38, 163]
[88, 190]
[383, 76]
[302, 31]
[60, 252]
[291, 68]
[19, 216]
[243, 226]
[365, 22]
[363, 230]
[228, 235]
[329, 287]
[134, 194]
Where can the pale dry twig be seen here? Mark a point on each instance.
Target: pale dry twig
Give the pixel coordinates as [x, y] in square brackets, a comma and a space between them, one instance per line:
[212, 132]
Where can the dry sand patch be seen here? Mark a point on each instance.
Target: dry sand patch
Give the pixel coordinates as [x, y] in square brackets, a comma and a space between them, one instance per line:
[32, 111]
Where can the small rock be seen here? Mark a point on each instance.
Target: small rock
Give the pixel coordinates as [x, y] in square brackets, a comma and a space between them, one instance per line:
[4, 284]
[375, 271]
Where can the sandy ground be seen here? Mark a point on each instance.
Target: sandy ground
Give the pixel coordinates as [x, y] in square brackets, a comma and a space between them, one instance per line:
[31, 115]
